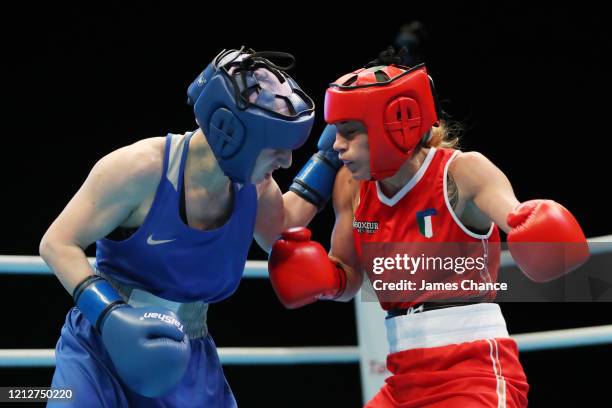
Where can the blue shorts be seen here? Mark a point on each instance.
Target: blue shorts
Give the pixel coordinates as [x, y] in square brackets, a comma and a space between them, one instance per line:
[84, 366]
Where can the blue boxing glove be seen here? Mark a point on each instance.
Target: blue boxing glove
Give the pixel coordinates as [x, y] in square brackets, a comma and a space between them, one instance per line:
[315, 182]
[147, 345]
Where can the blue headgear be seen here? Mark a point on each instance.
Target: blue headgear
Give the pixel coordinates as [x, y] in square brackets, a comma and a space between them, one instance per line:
[238, 129]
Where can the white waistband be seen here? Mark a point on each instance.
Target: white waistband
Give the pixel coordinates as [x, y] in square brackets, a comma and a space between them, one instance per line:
[441, 327]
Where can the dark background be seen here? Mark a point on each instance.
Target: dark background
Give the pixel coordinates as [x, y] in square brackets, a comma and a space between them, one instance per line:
[527, 81]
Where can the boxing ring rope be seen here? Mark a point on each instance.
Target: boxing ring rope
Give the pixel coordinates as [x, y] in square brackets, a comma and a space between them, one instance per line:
[34, 265]
[227, 355]
[546, 340]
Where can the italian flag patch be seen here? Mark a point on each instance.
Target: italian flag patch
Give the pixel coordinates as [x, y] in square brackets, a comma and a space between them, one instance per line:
[424, 221]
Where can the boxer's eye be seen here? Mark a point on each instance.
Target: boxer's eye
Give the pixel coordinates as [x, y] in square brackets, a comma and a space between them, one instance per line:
[351, 133]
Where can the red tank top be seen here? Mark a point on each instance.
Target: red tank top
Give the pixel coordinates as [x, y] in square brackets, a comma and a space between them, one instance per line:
[420, 222]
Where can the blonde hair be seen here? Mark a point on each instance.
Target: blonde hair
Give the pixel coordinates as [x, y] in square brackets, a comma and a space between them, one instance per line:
[446, 135]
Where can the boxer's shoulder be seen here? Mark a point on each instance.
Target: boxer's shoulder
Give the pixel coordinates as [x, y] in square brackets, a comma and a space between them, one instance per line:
[469, 170]
[129, 174]
[141, 162]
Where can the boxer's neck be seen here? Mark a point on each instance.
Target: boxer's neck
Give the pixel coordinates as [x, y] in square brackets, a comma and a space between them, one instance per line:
[391, 185]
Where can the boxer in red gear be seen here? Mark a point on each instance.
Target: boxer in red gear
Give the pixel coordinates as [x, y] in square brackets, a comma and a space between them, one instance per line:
[441, 355]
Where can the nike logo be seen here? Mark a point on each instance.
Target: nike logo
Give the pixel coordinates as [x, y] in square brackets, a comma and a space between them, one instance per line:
[152, 241]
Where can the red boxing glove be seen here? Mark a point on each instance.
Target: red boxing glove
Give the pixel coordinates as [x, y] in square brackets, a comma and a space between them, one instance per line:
[301, 272]
[546, 241]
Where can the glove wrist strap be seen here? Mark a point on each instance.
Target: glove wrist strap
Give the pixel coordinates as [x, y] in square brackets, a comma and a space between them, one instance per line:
[315, 182]
[96, 298]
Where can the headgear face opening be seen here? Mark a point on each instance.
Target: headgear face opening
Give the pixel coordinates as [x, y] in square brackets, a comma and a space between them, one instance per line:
[240, 115]
[396, 104]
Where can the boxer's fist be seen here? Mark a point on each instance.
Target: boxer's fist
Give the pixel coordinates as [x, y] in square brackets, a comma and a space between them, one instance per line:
[301, 272]
[546, 241]
[315, 182]
[326, 146]
[148, 347]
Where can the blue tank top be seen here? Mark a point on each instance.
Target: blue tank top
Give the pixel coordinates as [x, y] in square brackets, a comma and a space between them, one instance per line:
[172, 260]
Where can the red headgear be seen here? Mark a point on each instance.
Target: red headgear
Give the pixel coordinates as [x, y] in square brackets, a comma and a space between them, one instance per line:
[396, 104]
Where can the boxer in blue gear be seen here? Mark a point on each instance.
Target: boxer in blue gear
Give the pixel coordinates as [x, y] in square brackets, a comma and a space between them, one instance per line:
[173, 219]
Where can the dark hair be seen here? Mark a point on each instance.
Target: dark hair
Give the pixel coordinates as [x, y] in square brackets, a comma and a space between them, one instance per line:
[389, 57]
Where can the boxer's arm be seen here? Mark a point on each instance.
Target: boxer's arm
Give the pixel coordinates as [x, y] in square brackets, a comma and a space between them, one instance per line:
[308, 193]
[342, 241]
[302, 272]
[277, 212]
[114, 188]
[480, 181]
[544, 238]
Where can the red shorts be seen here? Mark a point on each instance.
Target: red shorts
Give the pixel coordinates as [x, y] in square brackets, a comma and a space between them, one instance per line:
[474, 373]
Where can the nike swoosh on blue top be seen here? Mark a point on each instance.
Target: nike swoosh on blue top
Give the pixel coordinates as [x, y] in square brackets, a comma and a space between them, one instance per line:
[152, 241]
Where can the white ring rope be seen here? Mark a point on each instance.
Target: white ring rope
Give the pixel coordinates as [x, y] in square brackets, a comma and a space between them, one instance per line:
[34, 265]
[227, 355]
[24, 264]
[547, 340]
